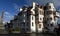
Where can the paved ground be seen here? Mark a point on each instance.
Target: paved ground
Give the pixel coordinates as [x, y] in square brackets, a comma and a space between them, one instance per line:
[28, 35]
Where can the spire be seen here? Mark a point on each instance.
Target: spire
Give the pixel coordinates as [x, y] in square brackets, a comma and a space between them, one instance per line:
[2, 17]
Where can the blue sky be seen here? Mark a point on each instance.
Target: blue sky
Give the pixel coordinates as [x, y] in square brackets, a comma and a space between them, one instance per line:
[11, 7]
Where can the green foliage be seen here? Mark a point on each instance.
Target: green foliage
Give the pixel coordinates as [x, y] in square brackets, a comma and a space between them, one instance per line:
[16, 29]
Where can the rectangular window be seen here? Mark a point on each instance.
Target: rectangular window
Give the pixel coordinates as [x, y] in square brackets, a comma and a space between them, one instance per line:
[28, 15]
[50, 12]
[32, 17]
[54, 13]
[47, 13]
[18, 24]
[32, 23]
[41, 12]
[27, 29]
[23, 24]
[39, 25]
[47, 19]
[50, 18]
[51, 24]
[47, 24]
[40, 19]
[27, 23]
[24, 15]
[49, 7]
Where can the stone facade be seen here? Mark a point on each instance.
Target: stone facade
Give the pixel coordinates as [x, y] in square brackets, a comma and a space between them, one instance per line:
[36, 18]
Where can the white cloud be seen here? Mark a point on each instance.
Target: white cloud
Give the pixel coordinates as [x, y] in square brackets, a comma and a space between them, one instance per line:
[6, 12]
[7, 17]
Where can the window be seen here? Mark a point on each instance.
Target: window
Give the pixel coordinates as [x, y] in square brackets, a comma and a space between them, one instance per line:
[27, 29]
[45, 21]
[24, 15]
[51, 18]
[54, 13]
[47, 24]
[40, 19]
[47, 18]
[36, 18]
[51, 24]
[54, 18]
[18, 24]
[27, 17]
[32, 23]
[50, 12]
[32, 17]
[27, 23]
[47, 13]
[23, 24]
[49, 7]
[36, 13]
[39, 25]
[40, 11]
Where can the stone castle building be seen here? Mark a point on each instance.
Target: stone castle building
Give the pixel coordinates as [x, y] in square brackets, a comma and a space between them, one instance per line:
[36, 18]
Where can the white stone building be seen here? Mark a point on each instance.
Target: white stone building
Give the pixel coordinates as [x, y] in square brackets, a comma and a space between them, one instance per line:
[50, 17]
[37, 18]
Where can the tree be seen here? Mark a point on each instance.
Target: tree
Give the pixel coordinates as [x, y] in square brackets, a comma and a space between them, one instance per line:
[9, 27]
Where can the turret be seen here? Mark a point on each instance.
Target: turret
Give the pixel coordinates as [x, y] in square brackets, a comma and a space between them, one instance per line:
[50, 6]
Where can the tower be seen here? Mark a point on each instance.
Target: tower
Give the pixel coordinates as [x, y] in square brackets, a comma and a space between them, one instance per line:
[1, 22]
[2, 17]
[49, 17]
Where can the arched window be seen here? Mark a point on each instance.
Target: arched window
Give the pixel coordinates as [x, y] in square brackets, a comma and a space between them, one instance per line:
[32, 17]
[32, 24]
